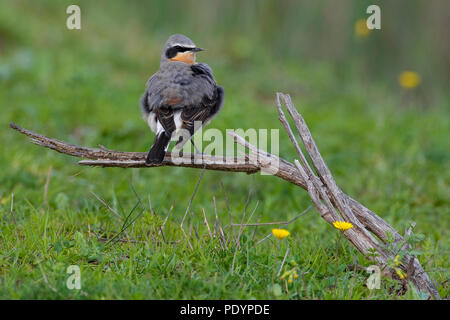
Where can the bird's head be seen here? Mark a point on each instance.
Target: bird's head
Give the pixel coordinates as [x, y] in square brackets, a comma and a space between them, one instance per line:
[179, 48]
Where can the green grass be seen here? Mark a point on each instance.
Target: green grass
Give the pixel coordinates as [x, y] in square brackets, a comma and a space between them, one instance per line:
[384, 146]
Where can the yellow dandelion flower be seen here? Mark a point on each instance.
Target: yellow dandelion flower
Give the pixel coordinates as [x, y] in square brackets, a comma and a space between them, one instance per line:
[409, 79]
[361, 29]
[290, 281]
[280, 233]
[342, 225]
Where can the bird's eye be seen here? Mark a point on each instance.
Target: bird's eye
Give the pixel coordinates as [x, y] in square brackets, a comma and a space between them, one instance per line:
[171, 52]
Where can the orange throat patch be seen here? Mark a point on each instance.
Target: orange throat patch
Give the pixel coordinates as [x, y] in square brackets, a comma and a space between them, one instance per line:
[186, 57]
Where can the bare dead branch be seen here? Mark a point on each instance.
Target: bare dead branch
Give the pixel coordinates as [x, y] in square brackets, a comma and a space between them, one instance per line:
[107, 205]
[328, 198]
[218, 227]
[282, 263]
[359, 235]
[205, 221]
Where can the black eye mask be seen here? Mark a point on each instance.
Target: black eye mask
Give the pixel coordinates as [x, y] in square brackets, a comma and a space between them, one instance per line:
[172, 52]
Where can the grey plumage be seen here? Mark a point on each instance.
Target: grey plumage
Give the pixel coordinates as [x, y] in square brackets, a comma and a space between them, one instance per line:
[178, 94]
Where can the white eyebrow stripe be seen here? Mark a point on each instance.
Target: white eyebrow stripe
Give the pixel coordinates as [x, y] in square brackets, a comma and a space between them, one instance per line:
[183, 45]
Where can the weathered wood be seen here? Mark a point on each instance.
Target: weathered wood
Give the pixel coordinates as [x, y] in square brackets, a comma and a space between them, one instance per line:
[110, 158]
[329, 192]
[359, 235]
[328, 198]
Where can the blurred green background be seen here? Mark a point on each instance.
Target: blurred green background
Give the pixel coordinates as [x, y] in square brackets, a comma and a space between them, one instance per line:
[383, 133]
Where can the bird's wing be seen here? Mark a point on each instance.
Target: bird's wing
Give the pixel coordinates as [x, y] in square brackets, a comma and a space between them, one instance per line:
[179, 87]
[166, 119]
[193, 90]
[192, 85]
[203, 112]
[152, 101]
[203, 77]
[165, 89]
[192, 114]
[144, 102]
[209, 97]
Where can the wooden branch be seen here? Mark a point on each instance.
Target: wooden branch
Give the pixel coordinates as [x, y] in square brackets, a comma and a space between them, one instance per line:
[350, 210]
[328, 198]
[110, 158]
[329, 192]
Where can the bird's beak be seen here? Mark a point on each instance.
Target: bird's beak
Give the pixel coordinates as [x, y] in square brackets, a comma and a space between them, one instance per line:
[197, 49]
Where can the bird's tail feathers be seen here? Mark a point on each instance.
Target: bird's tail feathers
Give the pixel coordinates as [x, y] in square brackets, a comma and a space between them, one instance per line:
[158, 149]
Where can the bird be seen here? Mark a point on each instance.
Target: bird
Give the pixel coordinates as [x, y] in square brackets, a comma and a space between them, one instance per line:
[178, 97]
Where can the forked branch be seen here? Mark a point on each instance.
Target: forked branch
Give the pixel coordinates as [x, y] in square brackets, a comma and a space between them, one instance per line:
[369, 232]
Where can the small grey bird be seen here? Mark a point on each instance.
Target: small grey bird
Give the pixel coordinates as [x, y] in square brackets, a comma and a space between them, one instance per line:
[179, 94]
